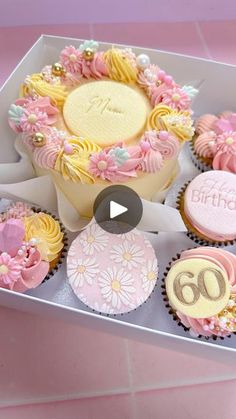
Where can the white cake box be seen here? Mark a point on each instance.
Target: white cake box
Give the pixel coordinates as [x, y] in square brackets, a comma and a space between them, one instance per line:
[151, 322]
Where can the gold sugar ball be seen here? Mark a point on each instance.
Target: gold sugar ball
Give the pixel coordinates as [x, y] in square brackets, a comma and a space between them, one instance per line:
[58, 70]
[233, 311]
[39, 139]
[88, 54]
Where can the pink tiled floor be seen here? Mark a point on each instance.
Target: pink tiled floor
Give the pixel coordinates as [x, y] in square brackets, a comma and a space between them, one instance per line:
[109, 377]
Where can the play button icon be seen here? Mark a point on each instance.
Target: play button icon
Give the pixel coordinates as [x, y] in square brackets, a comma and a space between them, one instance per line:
[118, 209]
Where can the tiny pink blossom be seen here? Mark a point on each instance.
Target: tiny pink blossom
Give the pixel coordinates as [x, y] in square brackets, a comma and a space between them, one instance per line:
[10, 270]
[33, 121]
[176, 98]
[102, 165]
[71, 59]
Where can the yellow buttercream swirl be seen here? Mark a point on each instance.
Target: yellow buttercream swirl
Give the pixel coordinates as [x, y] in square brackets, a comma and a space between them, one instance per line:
[179, 123]
[47, 231]
[119, 66]
[75, 166]
[35, 84]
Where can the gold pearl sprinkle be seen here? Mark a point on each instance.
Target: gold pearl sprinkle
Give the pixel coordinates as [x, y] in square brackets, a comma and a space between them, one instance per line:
[88, 54]
[58, 70]
[39, 139]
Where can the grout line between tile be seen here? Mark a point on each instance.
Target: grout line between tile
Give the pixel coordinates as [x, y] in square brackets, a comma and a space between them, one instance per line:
[202, 39]
[130, 377]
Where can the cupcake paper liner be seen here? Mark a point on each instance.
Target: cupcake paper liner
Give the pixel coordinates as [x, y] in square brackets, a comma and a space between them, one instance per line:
[198, 161]
[172, 312]
[192, 233]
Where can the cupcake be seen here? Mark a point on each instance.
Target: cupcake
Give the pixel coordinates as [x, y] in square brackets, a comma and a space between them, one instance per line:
[111, 273]
[214, 146]
[208, 207]
[31, 246]
[201, 291]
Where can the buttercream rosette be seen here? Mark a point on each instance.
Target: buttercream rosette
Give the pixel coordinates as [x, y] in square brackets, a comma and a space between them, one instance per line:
[31, 245]
[211, 282]
[38, 117]
[215, 144]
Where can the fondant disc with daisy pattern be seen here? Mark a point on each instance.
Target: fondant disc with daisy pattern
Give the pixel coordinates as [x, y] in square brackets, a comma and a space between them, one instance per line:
[112, 274]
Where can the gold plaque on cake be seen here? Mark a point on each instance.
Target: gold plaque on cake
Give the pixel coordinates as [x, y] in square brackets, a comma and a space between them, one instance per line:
[106, 112]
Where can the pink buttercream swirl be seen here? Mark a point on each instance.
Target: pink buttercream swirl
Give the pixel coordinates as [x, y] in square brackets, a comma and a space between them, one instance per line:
[213, 325]
[148, 77]
[163, 142]
[152, 161]
[225, 157]
[95, 68]
[205, 123]
[45, 157]
[205, 144]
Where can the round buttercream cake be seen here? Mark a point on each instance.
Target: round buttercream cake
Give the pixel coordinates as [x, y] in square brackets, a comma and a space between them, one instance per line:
[97, 118]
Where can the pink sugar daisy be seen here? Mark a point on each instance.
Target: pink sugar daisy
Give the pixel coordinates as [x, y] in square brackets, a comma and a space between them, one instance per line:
[71, 59]
[226, 142]
[176, 98]
[102, 165]
[10, 270]
[34, 121]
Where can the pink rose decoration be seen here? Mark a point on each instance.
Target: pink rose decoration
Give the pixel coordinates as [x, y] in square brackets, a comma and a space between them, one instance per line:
[12, 234]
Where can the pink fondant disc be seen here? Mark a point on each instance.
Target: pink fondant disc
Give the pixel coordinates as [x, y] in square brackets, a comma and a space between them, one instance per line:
[210, 204]
[112, 273]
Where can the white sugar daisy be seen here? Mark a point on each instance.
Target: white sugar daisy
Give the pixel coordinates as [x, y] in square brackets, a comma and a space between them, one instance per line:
[116, 287]
[149, 274]
[81, 271]
[95, 239]
[129, 255]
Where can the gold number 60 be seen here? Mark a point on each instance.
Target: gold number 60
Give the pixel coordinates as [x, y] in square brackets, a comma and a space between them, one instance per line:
[200, 288]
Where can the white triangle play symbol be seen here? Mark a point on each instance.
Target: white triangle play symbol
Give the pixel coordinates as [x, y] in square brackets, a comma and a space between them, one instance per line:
[116, 209]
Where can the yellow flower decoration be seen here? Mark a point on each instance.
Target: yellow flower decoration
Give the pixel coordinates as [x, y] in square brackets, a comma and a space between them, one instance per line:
[74, 166]
[48, 232]
[119, 67]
